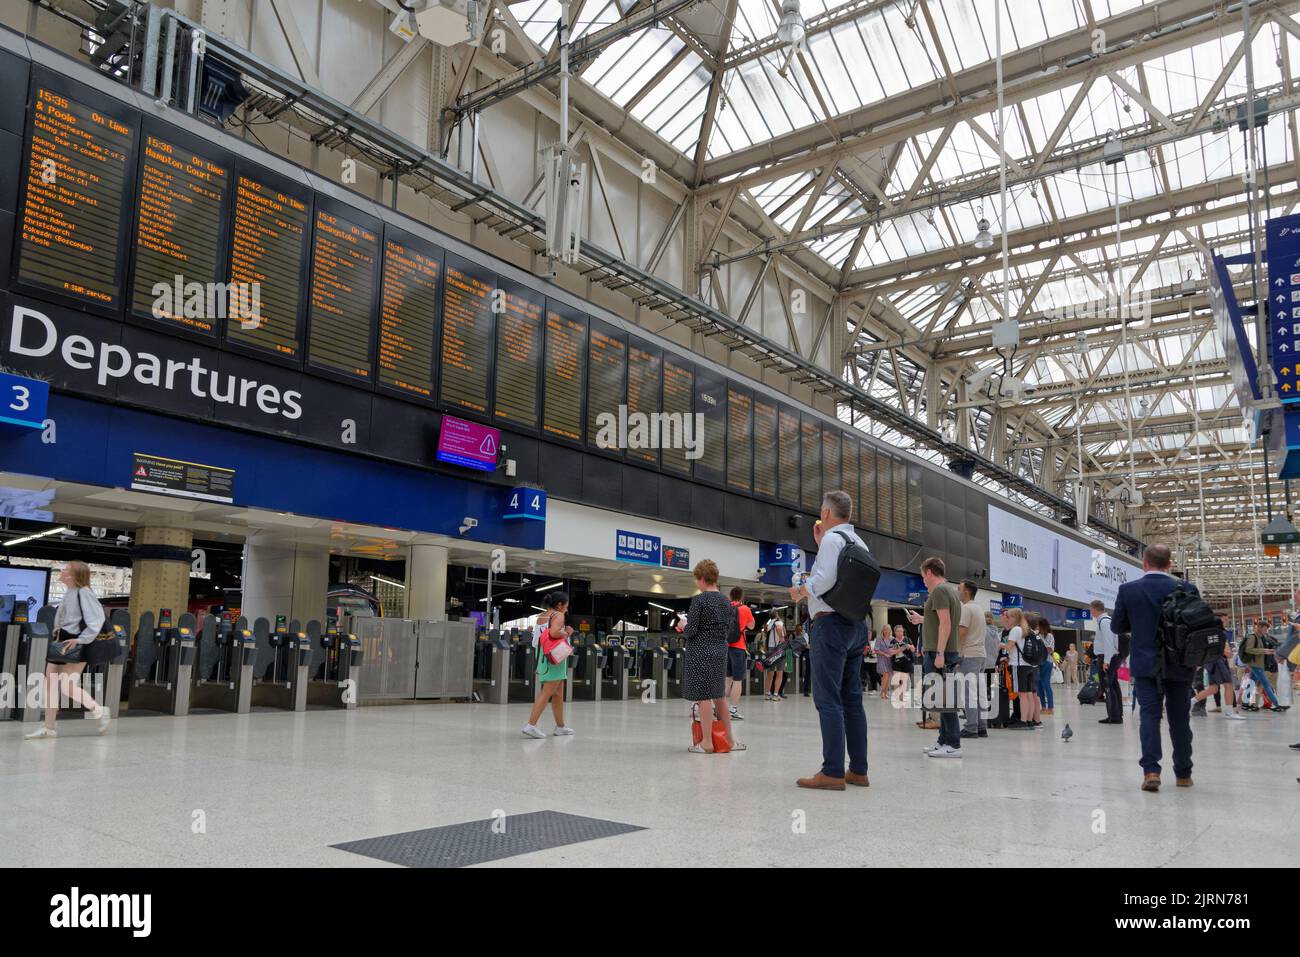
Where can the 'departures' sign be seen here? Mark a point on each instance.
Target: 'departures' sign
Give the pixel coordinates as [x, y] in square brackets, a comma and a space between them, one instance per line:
[1027, 556]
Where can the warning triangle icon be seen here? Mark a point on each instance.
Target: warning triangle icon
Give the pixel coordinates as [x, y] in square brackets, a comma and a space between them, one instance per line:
[489, 446]
[141, 472]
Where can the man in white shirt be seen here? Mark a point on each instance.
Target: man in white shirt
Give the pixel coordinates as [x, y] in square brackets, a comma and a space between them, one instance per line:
[835, 655]
[971, 629]
[1105, 649]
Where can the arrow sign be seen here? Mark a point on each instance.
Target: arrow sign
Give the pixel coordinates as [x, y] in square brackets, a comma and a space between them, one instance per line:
[1286, 370]
[1282, 347]
[1286, 386]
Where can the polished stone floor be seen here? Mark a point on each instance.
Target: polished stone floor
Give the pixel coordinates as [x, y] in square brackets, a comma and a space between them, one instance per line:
[279, 789]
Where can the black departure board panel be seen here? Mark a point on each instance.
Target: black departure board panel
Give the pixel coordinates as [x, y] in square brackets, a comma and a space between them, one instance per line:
[606, 385]
[913, 500]
[184, 188]
[900, 498]
[831, 460]
[644, 387]
[788, 455]
[849, 482]
[740, 440]
[765, 444]
[565, 376]
[867, 483]
[467, 292]
[408, 314]
[884, 493]
[77, 166]
[679, 390]
[519, 355]
[711, 408]
[810, 458]
[344, 276]
[269, 247]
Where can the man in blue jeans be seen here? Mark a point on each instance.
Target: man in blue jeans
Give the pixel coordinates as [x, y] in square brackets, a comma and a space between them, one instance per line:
[1254, 654]
[835, 653]
[941, 642]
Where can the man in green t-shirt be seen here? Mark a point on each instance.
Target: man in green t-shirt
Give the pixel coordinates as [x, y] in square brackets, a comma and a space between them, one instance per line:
[941, 643]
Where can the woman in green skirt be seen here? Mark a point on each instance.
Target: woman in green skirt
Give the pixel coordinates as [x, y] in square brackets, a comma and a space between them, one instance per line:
[551, 677]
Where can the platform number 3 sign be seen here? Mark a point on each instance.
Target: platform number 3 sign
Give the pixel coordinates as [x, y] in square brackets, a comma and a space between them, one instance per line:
[22, 401]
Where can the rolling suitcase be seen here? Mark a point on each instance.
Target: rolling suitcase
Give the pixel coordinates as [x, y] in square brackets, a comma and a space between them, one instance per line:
[1090, 693]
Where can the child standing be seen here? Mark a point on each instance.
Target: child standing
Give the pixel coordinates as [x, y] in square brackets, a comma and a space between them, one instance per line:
[551, 677]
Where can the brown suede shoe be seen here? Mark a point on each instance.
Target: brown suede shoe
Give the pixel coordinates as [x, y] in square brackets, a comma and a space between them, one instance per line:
[928, 725]
[1150, 782]
[859, 779]
[821, 782]
[1183, 782]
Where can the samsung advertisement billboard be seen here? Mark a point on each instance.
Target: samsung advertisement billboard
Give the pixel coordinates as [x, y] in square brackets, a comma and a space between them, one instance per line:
[1025, 556]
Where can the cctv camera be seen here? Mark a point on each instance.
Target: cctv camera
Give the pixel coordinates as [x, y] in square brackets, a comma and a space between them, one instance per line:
[468, 523]
[124, 539]
[760, 573]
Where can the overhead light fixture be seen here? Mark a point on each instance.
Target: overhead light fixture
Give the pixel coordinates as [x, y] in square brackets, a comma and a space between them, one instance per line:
[28, 538]
[550, 586]
[387, 581]
[983, 238]
[791, 30]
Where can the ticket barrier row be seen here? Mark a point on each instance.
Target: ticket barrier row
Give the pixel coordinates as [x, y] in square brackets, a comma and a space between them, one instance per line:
[226, 666]
[23, 655]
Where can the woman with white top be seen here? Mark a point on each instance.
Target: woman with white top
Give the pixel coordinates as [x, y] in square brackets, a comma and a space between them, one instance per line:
[1024, 675]
[77, 623]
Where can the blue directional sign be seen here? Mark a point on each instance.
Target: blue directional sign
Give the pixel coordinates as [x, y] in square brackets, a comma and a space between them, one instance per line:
[525, 501]
[1283, 237]
[641, 549]
[23, 401]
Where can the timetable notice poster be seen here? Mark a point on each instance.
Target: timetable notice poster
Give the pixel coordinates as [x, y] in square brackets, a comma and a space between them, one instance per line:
[408, 316]
[344, 257]
[269, 248]
[77, 163]
[565, 375]
[466, 334]
[178, 233]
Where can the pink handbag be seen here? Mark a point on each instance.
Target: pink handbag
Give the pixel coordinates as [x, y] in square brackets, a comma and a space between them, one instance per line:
[1123, 673]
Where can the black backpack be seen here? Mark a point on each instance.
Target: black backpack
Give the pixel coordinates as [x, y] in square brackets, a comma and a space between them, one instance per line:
[1034, 650]
[1189, 633]
[733, 625]
[856, 575]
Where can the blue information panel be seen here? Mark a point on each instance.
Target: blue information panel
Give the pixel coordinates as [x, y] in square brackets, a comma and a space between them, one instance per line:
[675, 557]
[779, 561]
[525, 502]
[631, 547]
[23, 401]
[1283, 237]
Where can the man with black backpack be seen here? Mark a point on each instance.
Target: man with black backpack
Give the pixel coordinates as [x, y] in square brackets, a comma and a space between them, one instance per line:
[1105, 648]
[1164, 617]
[839, 591]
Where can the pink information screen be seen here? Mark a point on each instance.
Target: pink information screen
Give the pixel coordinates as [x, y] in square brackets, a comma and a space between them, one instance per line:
[468, 444]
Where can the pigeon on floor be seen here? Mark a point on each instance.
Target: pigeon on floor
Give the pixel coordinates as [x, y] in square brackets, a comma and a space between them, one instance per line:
[1067, 734]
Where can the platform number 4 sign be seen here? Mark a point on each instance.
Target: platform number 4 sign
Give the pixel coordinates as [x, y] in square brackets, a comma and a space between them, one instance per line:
[526, 502]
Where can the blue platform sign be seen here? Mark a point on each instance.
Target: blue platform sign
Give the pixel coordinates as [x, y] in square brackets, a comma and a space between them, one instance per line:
[779, 561]
[23, 401]
[1012, 600]
[525, 501]
[632, 547]
[1283, 237]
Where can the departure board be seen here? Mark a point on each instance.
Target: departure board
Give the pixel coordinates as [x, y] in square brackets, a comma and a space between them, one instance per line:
[810, 458]
[644, 375]
[345, 256]
[884, 493]
[466, 334]
[831, 460]
[913, 500]
[849, 481]
[564, 379]
[269, 248]
[740, 440]
[519, 355]
[78, 160]
[178, 237]
[900, 498]
[606, 386]
[711, 412]
[408, 315]
[867, 482]
[765, 447]
[679, 389]
[788, 455]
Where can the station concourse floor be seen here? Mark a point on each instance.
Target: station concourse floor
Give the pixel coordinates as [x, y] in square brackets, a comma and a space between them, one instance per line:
[280, 789]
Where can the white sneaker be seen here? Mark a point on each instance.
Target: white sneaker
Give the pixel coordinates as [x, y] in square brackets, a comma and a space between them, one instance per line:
[1234, 715]
[39, 733]
[945, 752]
[101, 718]
[563, 729]
[532, 731]
[736, 715]
[929, 748]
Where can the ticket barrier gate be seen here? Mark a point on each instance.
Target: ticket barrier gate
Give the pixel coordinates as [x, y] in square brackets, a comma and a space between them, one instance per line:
[25, 643]
[523, 669]
[223, 673]
[164, 664]
[335, 666]
[674, 668]
[654, 661]
[586, 670]
[283, 659]
[115, 671]
[492, 660]
[619, 666]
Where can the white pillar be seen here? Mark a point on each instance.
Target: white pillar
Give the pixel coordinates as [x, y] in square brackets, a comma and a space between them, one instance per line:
[289, 581]
[426, 582]
[879, 617]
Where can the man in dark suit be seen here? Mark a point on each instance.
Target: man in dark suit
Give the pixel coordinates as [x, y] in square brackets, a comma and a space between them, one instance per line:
[1156, 683]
